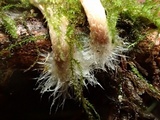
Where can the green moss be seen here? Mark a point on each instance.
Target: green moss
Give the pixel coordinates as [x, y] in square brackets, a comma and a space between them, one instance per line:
[22, 42]
[9, 25]
[73, 11]
[54, 11]
[134, 10]
[149, 88]
[7, 21]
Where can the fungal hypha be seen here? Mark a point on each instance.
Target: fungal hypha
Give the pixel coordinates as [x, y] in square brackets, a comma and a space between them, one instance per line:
[98, 53]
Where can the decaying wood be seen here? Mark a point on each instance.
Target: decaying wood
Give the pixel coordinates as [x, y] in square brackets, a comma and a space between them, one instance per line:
[23, 54]
[24, 51]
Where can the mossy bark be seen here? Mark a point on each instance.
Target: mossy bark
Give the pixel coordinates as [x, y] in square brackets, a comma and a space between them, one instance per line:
[130, 92]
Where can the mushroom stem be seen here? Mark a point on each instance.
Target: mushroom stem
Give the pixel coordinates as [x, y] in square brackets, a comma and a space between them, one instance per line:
[97, 21]
[61, 49]
[60, 46]
[100, 45]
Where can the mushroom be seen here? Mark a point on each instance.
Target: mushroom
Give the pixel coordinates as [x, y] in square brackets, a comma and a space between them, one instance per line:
[101, 47]
[56, 66]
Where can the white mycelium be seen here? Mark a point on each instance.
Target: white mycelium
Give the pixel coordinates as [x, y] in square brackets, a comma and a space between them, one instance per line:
[100, 48]
[60, 68]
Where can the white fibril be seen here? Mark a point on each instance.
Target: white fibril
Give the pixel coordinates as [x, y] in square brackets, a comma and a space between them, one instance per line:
[100, 48]
[98, 52]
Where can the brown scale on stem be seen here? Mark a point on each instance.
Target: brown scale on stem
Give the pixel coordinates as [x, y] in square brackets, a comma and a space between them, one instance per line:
[60, 46]
[61, 50]
[97, 21]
